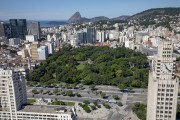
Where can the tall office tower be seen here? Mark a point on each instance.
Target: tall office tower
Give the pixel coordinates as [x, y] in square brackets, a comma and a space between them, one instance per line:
[163, 85]
[91, 35]
[18, 28]
[34, 50]
[5, 30]
[34, 29]
[12, 93]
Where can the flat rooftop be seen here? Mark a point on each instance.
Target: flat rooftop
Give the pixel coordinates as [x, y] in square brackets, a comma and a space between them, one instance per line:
[46, 109]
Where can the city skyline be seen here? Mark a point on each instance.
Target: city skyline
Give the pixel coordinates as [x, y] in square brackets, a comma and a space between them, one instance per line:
[64, 9]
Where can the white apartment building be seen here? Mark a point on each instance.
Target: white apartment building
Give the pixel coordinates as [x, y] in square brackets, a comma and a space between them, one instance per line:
[101, 36]
[50, 47]
[42, 52]
[13, 101]
[163, 85]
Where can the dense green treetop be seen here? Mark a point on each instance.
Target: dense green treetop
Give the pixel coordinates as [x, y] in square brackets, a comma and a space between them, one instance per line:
[89, 65]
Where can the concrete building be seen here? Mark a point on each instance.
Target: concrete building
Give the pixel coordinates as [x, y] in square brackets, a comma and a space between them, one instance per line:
[101, 36]
[50, 46]
[42, 52]
[163, 85]
[18, 28]
[31, 38]
[5, 30]
[34, 29]
[34, 50]
[14, 41]
[13, 101]
[74, 42]
[91, 35]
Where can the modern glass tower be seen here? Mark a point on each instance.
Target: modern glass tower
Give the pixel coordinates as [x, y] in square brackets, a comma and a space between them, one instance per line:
[18, 28]
[91, 35]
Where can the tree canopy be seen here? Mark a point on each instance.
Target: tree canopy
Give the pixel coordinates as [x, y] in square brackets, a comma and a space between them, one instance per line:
[91, 65]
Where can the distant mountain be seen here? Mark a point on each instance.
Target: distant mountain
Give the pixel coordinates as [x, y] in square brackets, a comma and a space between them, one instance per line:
[99, 18]
[156, 11]
[75, 18]
[123, 17]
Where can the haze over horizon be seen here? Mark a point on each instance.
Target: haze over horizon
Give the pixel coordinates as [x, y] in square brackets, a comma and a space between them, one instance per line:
[64, 9]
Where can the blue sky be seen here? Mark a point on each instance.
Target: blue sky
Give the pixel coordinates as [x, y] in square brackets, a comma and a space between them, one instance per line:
[63, 9]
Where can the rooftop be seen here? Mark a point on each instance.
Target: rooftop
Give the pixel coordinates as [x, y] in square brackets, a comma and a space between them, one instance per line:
[46, 109]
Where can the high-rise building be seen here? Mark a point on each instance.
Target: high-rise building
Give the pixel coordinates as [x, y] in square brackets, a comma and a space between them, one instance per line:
[101, 36]
[50, 47]
[163, 85]
[34, 50]
[18, 28]
[42, 52]
[13, 101]
[91, 35]
[13, 93]
[5, 30]
[34, 29]
[82, 37]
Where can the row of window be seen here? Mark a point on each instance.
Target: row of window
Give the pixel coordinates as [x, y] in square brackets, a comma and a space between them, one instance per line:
[167, 90]
[162, 94]
[166, 99]
[164, 85]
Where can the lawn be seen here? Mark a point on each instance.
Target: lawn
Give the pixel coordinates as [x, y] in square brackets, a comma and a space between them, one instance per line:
[31, 101]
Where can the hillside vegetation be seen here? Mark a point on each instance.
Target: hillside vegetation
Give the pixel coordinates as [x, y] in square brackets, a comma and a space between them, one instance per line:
[151, 13]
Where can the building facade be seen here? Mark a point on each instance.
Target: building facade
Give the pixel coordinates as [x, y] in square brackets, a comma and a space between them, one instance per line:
[5, 30]
[34, 29]
[91, 35]
[34, 50]
[50, 46]
[82, 37]
[13, 93]
[42, 52]
[101, 36]
[163, 85]
[13, 101]
[18, 28]
[31, 38]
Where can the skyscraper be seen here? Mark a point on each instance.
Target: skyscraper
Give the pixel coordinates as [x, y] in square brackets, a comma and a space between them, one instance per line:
[163, 85]
[18, 28]
[91, 35]
[5, 30]
[34, 29]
